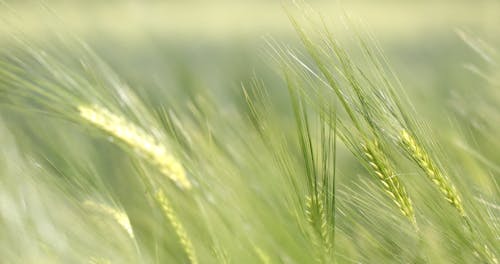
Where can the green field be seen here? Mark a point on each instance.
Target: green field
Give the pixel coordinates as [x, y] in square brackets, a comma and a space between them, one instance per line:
[214, 132]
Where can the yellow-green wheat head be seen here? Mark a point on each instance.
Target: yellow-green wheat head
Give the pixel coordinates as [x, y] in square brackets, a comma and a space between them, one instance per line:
[138, 139]
[382, 169]
[424, 161]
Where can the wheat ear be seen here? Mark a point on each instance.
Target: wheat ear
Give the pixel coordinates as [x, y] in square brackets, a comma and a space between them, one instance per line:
[169, 212]
[119, 216]
[420, 156]
[318, 220]
[382, 169]
[137, 139]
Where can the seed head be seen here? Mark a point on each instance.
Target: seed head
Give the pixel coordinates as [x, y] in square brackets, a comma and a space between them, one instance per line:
[137, 139]
[384, 172]
[424, 161]
[169, 212]
[119, 216]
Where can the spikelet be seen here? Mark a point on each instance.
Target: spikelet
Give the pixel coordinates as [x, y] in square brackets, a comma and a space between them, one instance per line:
[119, 216]
[319, 222]
[309, 213]
[385, 173]
[420, 156]
[177, 225]
[138, 139]
[319, 249]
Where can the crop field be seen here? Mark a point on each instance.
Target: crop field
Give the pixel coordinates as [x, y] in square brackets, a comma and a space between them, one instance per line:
[249, 131]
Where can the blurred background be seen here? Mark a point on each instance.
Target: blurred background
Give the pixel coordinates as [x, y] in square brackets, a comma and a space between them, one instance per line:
[217, 45]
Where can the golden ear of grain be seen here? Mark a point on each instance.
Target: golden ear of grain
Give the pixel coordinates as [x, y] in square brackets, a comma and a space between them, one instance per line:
[119, 216]
[169, 212]
[137, 139]
[423, 160]
[382, 169]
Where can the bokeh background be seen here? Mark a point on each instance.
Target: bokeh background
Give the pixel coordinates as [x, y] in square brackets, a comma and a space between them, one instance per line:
[218, 44]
